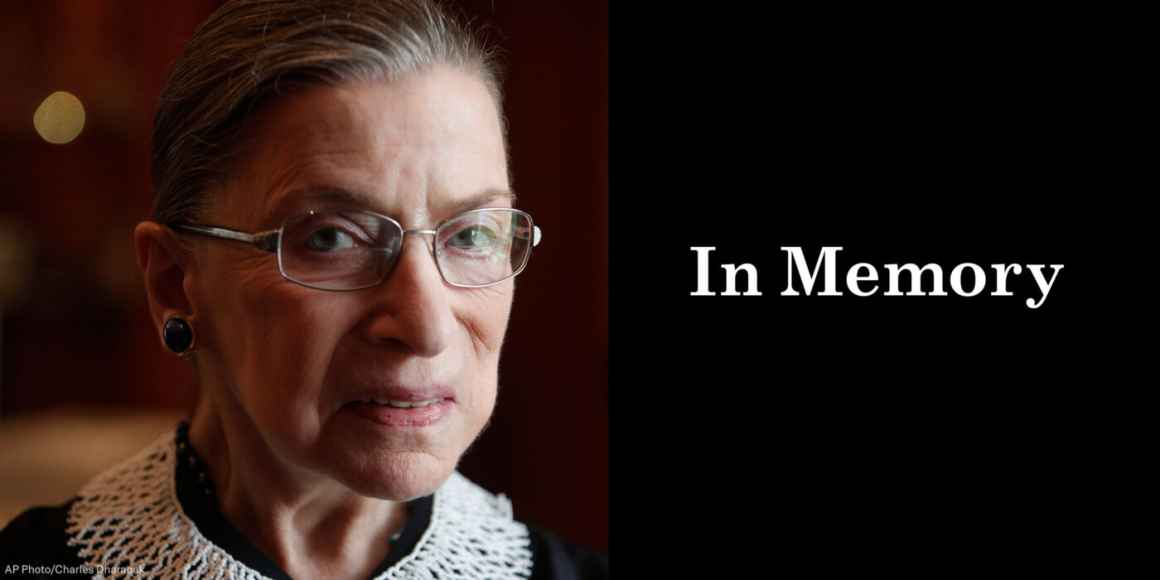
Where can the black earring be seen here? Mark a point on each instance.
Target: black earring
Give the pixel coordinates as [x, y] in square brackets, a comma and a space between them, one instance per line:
[178, 335]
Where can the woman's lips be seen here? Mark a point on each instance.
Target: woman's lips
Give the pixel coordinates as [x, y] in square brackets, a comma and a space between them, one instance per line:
[391, 416]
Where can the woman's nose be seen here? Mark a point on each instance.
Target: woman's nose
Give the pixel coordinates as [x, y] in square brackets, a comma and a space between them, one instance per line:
[414, 305]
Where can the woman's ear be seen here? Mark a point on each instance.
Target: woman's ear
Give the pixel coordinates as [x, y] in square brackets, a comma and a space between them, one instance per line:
[164, 266]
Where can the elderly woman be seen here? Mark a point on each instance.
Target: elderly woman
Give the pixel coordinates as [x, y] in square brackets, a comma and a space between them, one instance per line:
[333, 250]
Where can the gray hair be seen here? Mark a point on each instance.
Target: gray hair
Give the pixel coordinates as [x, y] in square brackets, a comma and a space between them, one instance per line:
[249, 51]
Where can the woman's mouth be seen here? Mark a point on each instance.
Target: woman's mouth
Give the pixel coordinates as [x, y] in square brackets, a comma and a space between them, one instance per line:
[393, 413]
[403, 404]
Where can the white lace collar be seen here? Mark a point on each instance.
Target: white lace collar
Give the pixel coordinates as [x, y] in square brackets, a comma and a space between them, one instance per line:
[129, 517]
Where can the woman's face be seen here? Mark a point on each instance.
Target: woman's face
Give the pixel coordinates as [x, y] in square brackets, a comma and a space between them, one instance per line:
[301, 365]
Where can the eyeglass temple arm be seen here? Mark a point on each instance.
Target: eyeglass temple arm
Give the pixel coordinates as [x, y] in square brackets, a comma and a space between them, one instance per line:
[267, 241]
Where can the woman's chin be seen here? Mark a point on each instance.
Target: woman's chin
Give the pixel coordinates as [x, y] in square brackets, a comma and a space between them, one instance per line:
[401, 477]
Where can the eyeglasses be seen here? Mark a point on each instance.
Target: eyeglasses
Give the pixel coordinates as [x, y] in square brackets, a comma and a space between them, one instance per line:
[343, 250]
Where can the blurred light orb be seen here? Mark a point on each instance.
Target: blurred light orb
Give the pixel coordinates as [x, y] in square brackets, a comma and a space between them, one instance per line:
[60, 118]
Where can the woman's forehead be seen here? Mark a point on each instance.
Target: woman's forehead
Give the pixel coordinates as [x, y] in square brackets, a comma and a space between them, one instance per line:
[428, 143]
[420, 108]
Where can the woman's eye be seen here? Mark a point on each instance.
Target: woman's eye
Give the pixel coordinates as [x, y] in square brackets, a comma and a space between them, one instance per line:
[475, 238]
[329, 239]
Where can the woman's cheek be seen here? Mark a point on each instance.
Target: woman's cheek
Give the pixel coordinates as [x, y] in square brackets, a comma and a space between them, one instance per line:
[484, 314]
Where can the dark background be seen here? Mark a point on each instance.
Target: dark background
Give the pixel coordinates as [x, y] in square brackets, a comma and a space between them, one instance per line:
[909, 435]
[76, 332]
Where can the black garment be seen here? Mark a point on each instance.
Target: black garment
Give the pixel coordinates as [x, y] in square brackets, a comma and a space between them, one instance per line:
[36, 541]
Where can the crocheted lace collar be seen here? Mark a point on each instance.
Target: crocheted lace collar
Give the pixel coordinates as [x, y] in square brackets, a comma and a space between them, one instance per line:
[128, 520]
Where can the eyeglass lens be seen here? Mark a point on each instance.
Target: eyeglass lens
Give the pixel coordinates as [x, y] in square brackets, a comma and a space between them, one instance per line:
[347, 250]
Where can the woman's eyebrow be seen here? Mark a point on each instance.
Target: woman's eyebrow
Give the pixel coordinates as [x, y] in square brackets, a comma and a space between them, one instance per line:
[296, 198]
[482, 199]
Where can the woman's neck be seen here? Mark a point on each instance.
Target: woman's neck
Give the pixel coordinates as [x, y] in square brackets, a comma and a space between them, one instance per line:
[307, 523]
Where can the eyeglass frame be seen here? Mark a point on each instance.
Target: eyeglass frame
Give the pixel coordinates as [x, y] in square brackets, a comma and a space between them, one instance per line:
[271, 241]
